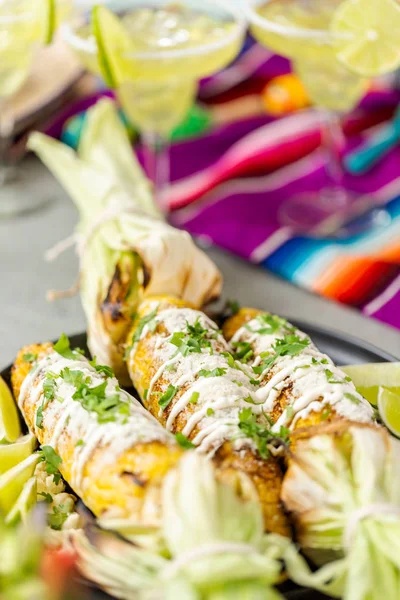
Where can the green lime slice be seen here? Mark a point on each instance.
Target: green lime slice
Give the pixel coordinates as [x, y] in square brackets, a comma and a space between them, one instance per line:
[368, 379]
[389, 410]
[12, 482]
[13, 454]
[114, 44]
[10, 427]
[25, 501]
[372, 29]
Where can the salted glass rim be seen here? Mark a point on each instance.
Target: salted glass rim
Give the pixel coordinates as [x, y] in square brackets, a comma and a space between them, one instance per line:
[89, 46]
[286, 30]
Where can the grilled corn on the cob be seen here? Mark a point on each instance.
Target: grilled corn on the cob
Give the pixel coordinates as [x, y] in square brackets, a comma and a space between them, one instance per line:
[114, 454]
[299, 386]
[180, 364]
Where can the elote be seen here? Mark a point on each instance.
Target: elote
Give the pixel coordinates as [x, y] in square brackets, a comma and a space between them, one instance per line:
[181, 367]
[298, 386]
[110, 450]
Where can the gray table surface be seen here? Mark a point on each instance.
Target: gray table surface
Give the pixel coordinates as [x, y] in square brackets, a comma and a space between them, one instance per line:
[26, 316]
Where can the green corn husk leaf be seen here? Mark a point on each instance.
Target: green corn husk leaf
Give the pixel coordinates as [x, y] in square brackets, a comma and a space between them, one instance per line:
[332, 476]
[198, 513]
[132, 256]
[20, 548]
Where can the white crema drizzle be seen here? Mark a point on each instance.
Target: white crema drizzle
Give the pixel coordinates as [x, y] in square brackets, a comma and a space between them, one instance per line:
[312, 388]
[80, 424]
[220, 398]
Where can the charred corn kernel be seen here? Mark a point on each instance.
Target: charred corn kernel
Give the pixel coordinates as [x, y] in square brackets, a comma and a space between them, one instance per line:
[105, 445]
[180, 365]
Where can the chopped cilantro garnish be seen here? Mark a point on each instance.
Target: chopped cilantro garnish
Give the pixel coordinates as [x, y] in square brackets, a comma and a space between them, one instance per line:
[146, 320]
[107, 371]
[243, 352]
[254, 381]
[46, 497]
[271, 324]
[183, 441]
[167, 397]
[49, 388]
[352, 398]
[63, 347]
[194, 398]
[79, 443]
[210, 412]
[327, 412]
[151, 323]
[218, 372]
[324, 361]
[145, 394]
[231, 361]
[330, 377]
[29, 357]
[347, 378]
[194, 339]
[233, 306]
[260, 434]
[238, 383]
[50, 457]
[249, 400]
[303, 367]
[39, 414]
[94, 399]
[58, 517]
[289, 345]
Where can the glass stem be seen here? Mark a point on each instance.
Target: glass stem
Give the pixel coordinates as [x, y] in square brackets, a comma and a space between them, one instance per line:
[6, 131]
[157, 165]
[333, 143]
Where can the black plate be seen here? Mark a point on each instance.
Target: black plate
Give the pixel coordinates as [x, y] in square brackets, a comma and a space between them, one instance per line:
[343, 350]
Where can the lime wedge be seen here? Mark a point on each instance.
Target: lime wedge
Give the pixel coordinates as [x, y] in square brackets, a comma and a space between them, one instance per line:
[114, 44]
[389, 410]
[12, 482]
[25, 501]
[13, 454]
[47, 13]
[368, 379]
[10, 428]
[371, 29]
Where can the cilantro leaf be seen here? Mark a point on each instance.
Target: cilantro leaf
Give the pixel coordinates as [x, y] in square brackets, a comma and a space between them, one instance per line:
[233, 306]
[52, 461]
[352, 398]
[46, 497]
[218, 372]
[183, 441]
[194, 398]
[261, 434]
[29, 357]
[210, 412]
[63, 347]
[289, 345]
[58, 517]
[243, 352]
[167, 397]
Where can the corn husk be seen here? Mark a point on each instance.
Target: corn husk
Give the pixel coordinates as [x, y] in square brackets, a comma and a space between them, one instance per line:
[126, 249]
[343, 489]
[21, 547]
[199, 514]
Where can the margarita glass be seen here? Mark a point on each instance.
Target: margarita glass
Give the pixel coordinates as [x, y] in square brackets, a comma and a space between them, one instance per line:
[302, 31]
[171, 47]
[24, 26]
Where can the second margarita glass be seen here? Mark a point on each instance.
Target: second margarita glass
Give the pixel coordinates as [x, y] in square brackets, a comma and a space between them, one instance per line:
[330, 45]
[159, 52]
